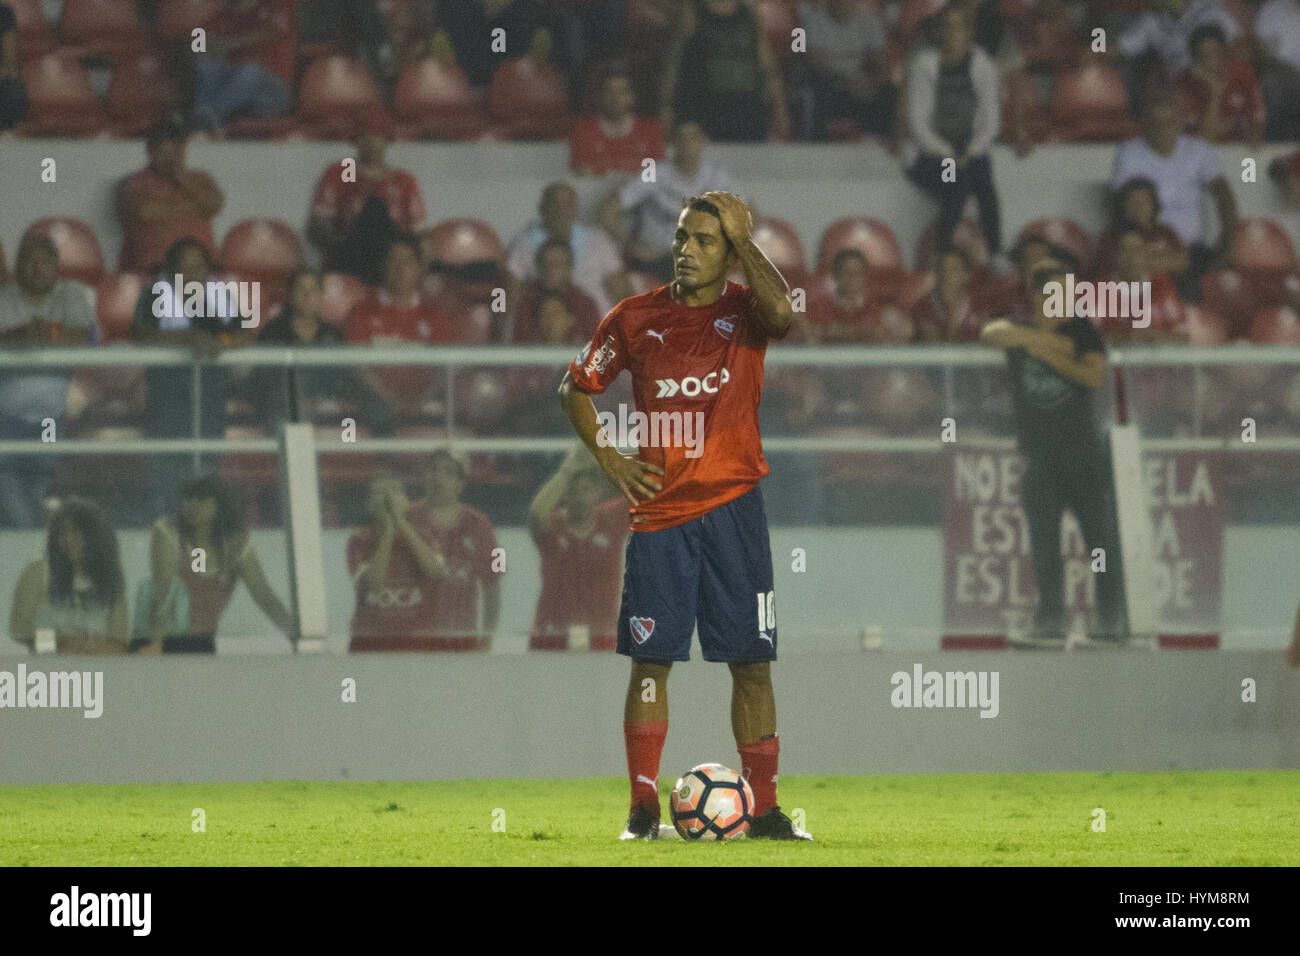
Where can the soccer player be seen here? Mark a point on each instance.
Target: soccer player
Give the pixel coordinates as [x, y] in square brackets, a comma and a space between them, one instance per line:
[699, 548]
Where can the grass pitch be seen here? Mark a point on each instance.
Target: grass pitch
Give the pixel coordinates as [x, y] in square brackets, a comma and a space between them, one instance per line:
[1221, 818]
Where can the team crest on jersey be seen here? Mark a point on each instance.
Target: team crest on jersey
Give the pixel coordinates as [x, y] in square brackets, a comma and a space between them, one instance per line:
[642, 628]
[725, 326]
[601, 358]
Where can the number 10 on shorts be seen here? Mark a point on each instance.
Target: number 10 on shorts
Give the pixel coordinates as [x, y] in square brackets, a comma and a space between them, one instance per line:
[767, 611]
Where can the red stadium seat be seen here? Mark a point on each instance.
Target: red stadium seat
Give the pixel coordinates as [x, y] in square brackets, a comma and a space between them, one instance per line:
[1228, 294]
[62, 101]
[877, 243]
[1204, 328]
[1275, 327]
[179, 17]
[102, 27]
[1066, 233]
[80, 257]
[336, 94]
[1261, 245]
[1090, 104]
[433, 100]
[463, 242]
[527, 100]
[138, 94]
[777, 18]
[35, 38]
[967, 237]
[117, 294]
[262, 250]
[340, 293]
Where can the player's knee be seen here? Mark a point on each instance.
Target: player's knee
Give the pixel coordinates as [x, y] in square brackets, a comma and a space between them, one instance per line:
[755, 675]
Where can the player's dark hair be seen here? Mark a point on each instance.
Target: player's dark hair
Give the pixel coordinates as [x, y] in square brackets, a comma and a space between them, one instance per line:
[103, 561]
[1206, 31]
[697, 204]
[844, 255]
[553, 244]
[228, 522]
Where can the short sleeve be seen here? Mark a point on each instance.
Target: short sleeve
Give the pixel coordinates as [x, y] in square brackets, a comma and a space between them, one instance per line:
[604, 357]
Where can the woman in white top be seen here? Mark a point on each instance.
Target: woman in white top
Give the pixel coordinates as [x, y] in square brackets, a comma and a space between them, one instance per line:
[77, 590]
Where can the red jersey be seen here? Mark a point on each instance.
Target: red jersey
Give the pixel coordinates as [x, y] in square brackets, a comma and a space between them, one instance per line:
[342, 201]
[378, 320]
[145, 242]
[581, 579]
[592, 147]
[411, 612]
[685, 360]
[1168, 313]
[1241, 108]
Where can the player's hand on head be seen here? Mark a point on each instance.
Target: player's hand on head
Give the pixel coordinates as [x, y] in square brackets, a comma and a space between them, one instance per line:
[737, 220]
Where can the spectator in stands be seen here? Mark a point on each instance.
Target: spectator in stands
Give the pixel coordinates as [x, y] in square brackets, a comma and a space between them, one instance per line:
[579, 530]
[1285, 171]
[850, 314]
[424, 571]
[470, 25]
[13, 93]
[1165, 31]
[597, 268]
[720, 74]
[164, 201]
[554, 267]
[77, 590]
[615, 139]
[655, 206]
[249, 63]
[1183, 169]
[1168, 318]
[1056, 368]
[1136, 206]
[299, 323]
[36, 309]
[197, 557]
[846, 73]
[393, 315]
[1277, 42]
[949, 312]
[359, 206]
[1221, 97]
[953, 104]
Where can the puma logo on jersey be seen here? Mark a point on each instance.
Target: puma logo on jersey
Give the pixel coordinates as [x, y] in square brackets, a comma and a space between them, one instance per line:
[692, 386]
[658, 335]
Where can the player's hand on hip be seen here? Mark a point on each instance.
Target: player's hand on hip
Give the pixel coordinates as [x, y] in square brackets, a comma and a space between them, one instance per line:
[737, 220]
[633, 477]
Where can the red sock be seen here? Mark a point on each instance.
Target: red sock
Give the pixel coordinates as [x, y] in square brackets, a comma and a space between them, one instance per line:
[645, 742]
[758, 765]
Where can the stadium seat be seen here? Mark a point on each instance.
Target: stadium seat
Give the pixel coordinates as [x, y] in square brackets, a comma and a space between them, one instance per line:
[777, 18]
[457, 243]
[138, 94]
[102, 28]
[876, 241]
[62, 101]
[967, 237]
[35, 38]
[117, 293]
[1275, 327]
[1066, 233]
[1228, 294]
[336, 93]
[1261, 245]
[1204, 328]
[262, 250]
[527, 100]
[433, 100]
[1089, 104]
[179, 17]
[80, 257]
[340, 292]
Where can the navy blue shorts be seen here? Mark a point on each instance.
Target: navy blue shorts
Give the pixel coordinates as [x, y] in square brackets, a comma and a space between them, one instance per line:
[716, 570]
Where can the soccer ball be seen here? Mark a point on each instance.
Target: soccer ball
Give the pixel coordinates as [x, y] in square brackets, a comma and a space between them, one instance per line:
[711, 802]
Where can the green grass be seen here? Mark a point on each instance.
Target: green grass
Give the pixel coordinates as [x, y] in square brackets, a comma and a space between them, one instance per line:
[1222, 818]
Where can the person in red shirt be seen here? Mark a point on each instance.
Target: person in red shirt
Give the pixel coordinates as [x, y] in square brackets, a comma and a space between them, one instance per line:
[1137, 206]
[248, 64]
[1221, 96]
[393, 315]
[580, 537]
[357, 206]
[164, 201]
[554, 261]
[1168, 316]
[615, 139]
[423, 572]
[699, 551]
[949, 313]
